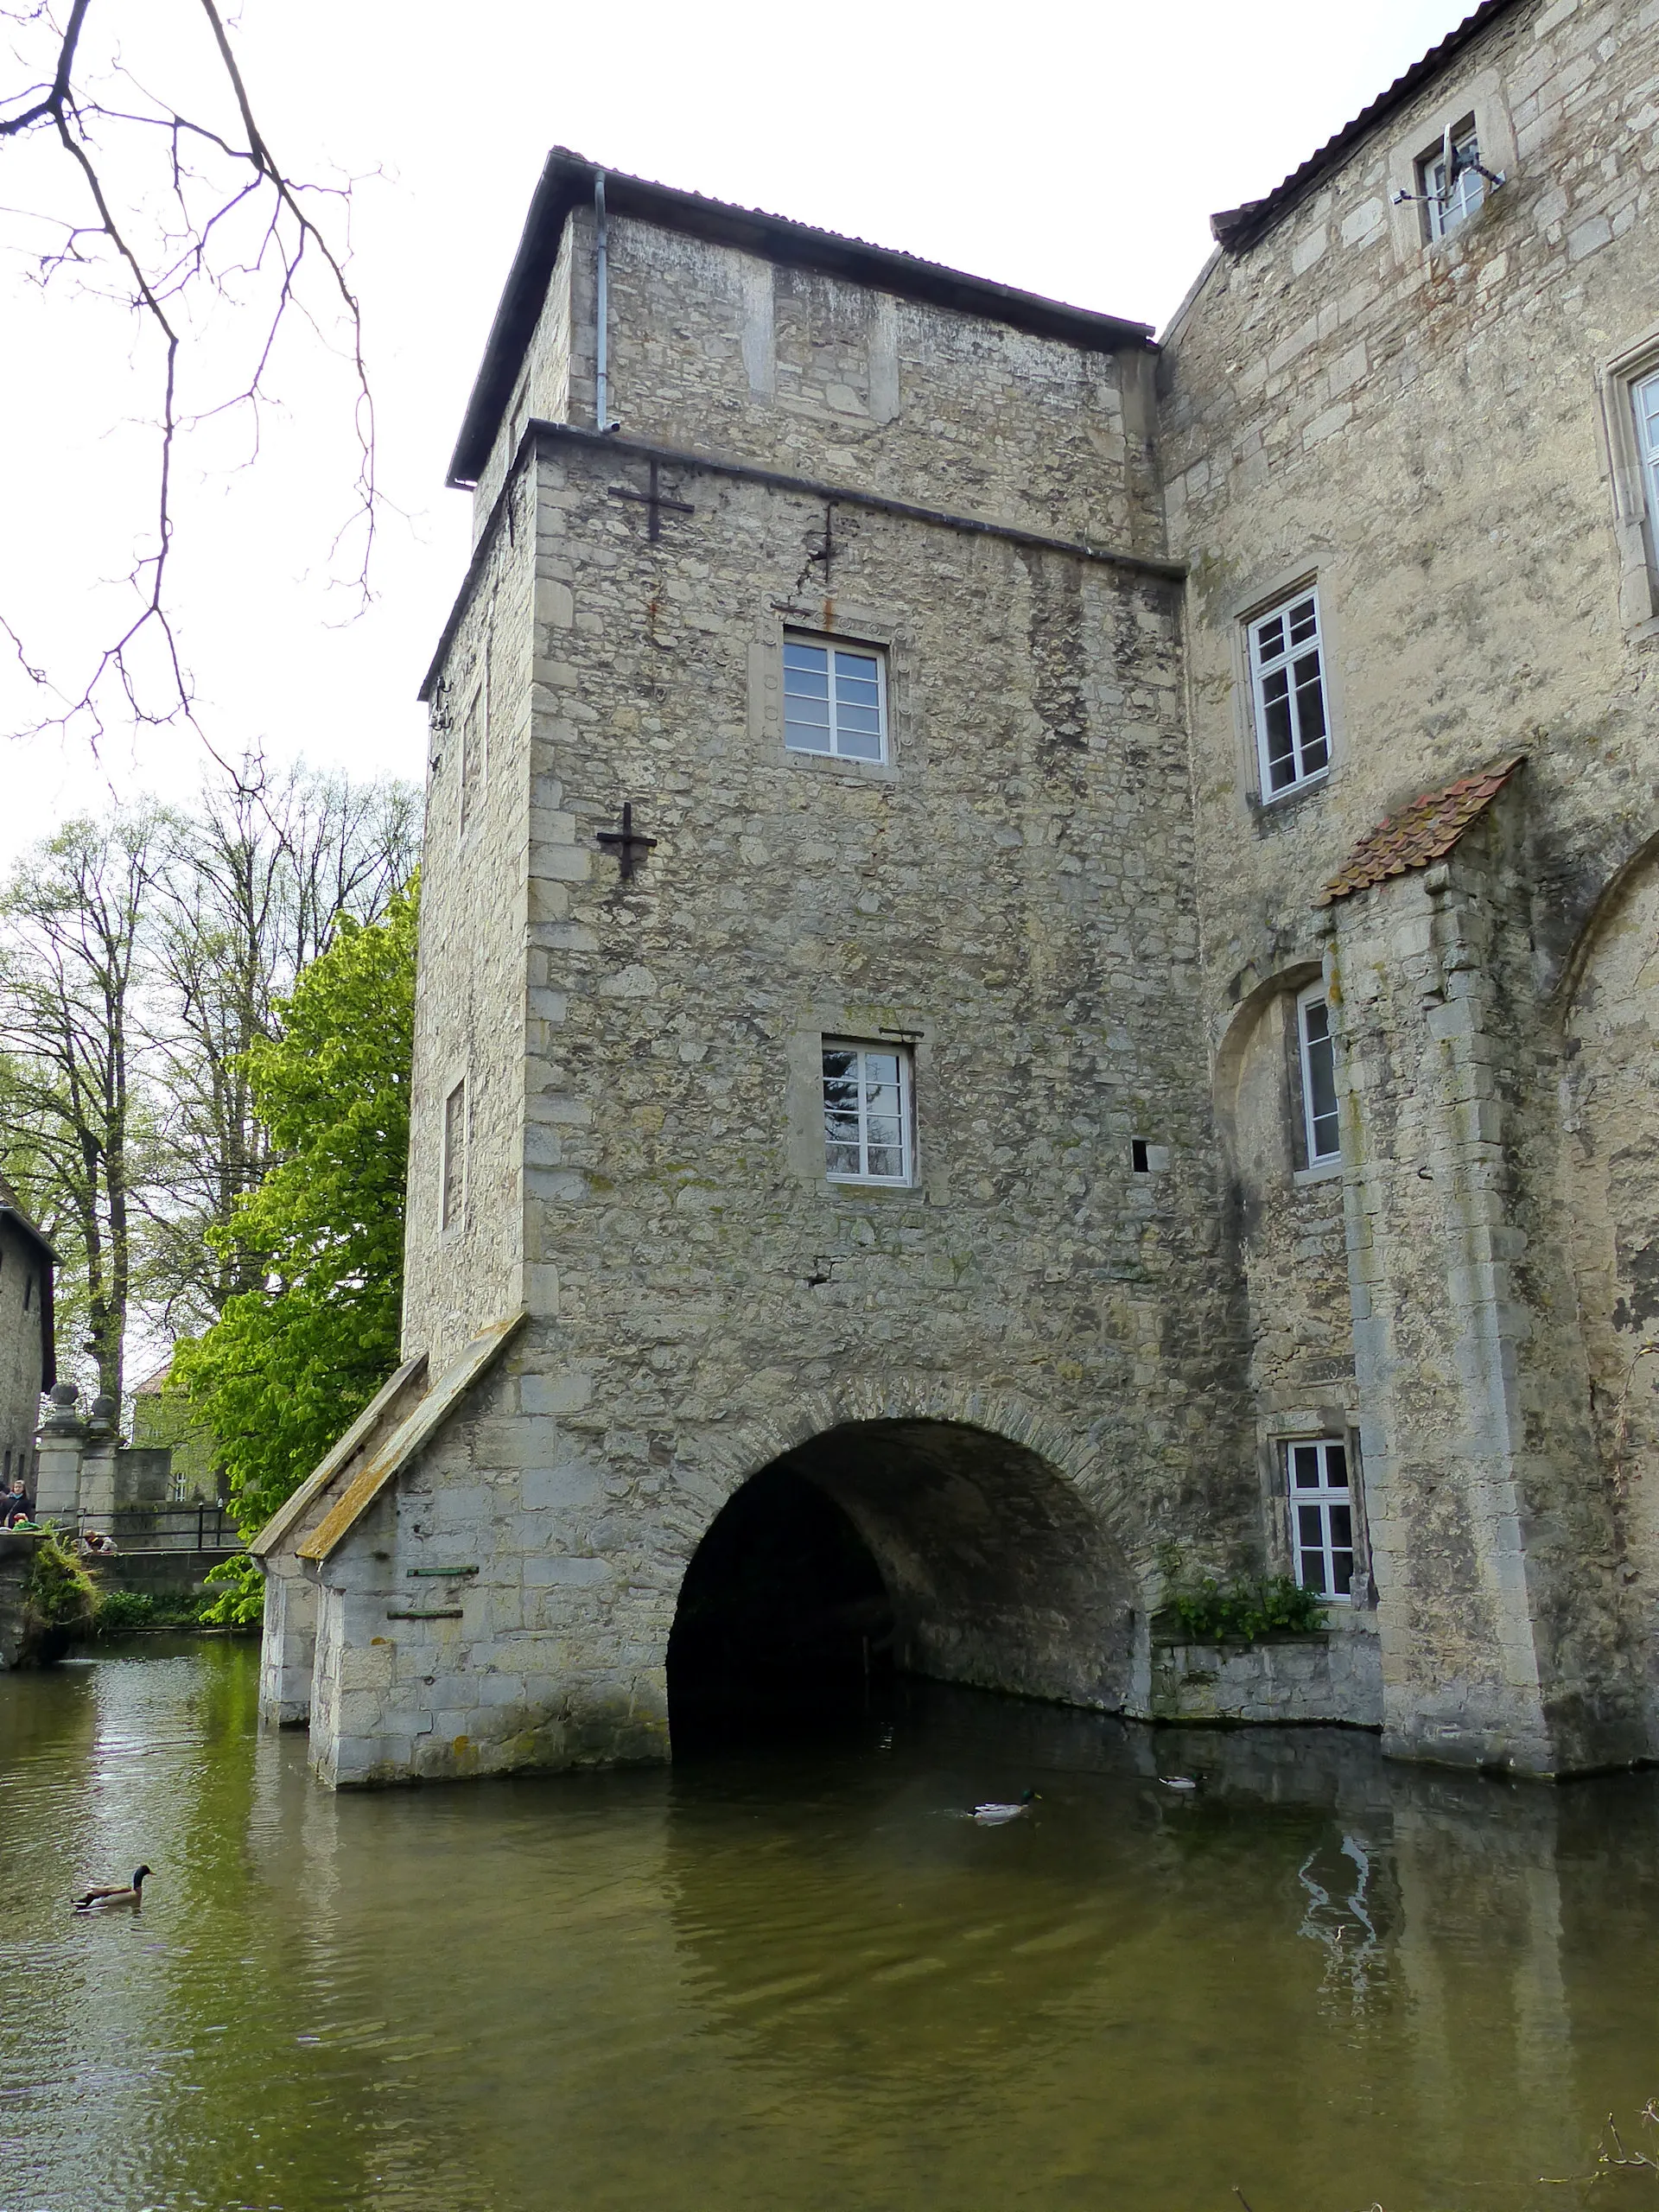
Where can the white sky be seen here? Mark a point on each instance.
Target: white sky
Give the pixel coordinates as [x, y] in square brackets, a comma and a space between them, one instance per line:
[1073, 147]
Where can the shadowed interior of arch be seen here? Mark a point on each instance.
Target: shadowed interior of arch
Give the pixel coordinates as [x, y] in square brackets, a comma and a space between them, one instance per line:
[927, 1548]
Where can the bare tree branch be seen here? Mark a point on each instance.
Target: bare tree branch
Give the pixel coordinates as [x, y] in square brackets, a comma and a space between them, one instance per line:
[213, 181]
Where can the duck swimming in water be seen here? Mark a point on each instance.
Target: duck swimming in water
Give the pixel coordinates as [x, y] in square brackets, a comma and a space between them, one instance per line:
[116, 1893]
[993, 1815]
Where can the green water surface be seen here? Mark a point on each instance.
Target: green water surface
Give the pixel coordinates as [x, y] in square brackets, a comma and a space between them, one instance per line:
[799, 1979]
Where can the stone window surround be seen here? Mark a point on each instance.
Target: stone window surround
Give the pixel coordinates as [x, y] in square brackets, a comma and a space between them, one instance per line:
[1313, 1422]
[1327, 1164]
[867, 1145]
[1261, 596]
[803, 1101]
[854, 625]
[1481, 96]
[1635, 528]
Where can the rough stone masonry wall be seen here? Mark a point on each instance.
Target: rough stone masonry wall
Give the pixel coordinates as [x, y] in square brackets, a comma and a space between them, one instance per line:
[1433, 434]
[20, 1267]
[1013, 894]
[713, 348]
[1422, 429]
[473, 996]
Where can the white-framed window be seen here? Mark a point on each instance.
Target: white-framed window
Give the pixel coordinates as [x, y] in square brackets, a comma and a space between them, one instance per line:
[455, 1155]
[1316, 1051]
[866, 1113]
[1644, 405]
[1321, 1517]
[1292, 724]
[1451, 185]
[834, 698]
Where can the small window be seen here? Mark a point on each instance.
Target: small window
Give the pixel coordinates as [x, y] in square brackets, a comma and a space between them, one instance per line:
[1293, 732]
[866, 1113]
[472, 759]
[454, 1153]
[1450, 180]
[1317, 1052]
[835, 700]
[1644, 399]
[1322, 1517]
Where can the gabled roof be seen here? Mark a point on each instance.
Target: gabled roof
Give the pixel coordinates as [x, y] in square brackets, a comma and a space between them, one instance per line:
[567, 182]
[384, 1461]
[1238, 229]
[386, 1401]
[1425, 831]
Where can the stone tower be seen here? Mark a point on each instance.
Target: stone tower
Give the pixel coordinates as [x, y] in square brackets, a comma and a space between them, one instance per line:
[1050, 940]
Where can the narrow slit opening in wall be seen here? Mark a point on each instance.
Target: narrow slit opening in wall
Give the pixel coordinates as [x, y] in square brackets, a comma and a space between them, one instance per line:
[1138, 1159]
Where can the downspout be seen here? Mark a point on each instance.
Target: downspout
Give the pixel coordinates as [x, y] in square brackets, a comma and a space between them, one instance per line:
[602, 305]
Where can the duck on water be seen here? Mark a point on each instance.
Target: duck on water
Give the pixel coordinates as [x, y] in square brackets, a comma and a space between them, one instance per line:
[114, 1893]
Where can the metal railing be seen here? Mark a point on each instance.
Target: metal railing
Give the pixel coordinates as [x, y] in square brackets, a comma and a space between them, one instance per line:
[193, 1526]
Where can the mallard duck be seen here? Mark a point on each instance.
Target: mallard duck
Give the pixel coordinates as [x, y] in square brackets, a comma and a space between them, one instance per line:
[993, 1815]
[117, 1893]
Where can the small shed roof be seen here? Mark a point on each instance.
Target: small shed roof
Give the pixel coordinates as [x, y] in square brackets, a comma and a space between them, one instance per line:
[1425, 831]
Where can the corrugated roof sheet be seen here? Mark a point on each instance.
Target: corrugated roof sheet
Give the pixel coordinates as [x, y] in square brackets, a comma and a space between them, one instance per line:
[1238, 229]
[1424, 831]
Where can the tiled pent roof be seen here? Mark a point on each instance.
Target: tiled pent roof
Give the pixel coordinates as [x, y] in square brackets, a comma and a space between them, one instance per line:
[1424, 831]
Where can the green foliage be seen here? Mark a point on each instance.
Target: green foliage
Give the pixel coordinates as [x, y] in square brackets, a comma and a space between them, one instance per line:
[241, 1599]
[1239, 1612]
[59, 1599]
[290, 1365]
[122, 1610]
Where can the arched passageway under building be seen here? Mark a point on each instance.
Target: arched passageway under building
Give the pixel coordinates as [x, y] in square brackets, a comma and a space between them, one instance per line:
[931, 1547]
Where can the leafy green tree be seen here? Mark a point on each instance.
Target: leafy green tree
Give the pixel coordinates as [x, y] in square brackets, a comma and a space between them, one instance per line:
[290, 1364]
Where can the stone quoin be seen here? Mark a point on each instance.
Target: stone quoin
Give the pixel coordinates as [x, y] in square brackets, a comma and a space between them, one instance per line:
[1055, 936]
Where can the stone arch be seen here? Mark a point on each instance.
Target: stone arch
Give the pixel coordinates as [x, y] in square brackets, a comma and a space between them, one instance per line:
[1002, 1547]
[1609, 1008]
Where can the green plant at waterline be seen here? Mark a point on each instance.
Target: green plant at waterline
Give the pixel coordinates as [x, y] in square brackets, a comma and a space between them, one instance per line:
[1240, 1611]
[119, 1611]
[59, 1601]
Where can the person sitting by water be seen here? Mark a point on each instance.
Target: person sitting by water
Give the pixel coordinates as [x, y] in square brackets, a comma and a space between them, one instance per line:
[94, 1542]
[14, 1500]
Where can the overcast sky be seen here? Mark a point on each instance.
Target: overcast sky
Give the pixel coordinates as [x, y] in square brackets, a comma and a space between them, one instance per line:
[1075, 150]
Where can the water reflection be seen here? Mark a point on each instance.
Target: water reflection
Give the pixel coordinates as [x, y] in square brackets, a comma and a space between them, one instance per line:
[803, 1978]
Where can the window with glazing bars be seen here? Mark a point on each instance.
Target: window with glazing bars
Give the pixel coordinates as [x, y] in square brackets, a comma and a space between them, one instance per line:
[866, 1113]
[1321, 1121]
[1644, 399]
[835, 700]
[1287, 676]
[1449, 200]
[1322, 1517]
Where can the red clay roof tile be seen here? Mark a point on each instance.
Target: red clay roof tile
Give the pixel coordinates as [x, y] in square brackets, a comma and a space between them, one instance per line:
[1424, 831]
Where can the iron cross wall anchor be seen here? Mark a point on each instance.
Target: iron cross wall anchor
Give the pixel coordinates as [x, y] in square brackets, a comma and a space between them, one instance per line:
[655, 501]
[630, 844]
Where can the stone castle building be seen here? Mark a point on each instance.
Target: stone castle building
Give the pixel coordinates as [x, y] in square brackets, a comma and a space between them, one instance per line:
[27, 1352]
[1046, 945]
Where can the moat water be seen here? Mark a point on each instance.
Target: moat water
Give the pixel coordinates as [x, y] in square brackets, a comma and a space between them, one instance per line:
[799, 1980]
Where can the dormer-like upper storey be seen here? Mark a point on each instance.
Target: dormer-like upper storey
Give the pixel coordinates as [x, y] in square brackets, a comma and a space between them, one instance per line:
[741, 334]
